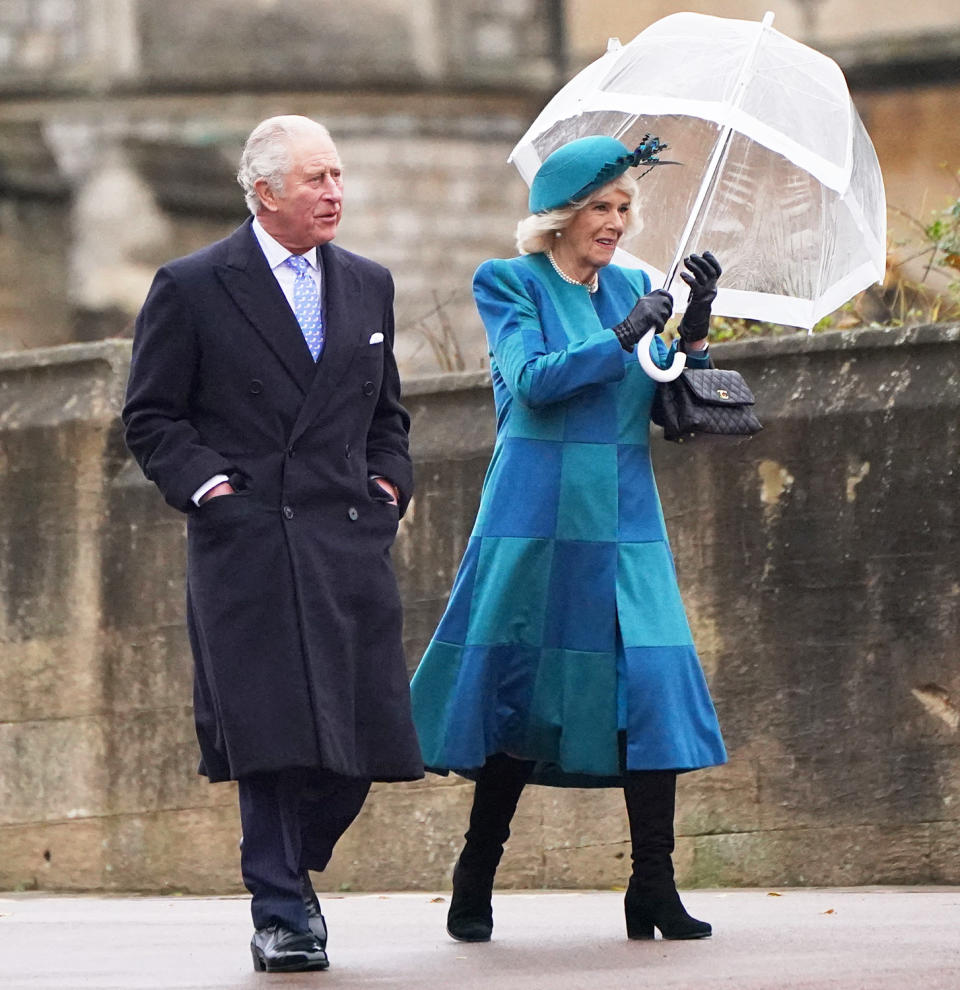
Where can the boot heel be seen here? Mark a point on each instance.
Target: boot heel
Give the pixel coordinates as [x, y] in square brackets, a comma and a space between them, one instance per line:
[259, 964]
[639, 928]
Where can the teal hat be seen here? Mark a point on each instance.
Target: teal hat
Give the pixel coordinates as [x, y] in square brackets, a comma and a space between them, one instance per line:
[578, 168]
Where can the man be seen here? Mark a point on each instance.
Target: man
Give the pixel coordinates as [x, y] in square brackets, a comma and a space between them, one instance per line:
[263, 401]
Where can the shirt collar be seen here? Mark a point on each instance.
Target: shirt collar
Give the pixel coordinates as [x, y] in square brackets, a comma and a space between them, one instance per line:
[275, 253]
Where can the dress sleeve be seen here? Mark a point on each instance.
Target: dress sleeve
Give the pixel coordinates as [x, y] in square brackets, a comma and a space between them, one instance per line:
[534, 375]
[696, 359]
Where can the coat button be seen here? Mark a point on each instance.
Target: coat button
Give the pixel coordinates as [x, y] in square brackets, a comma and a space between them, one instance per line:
[346, 450]
[256, 386]
[353, 514]
[290, 451]
[287, 512]
[368, 388]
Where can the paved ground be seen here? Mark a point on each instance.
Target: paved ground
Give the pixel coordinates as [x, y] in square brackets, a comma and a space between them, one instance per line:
[854, 939]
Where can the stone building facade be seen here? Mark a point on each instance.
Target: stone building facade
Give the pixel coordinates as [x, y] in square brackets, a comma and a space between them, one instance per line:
[121, 123]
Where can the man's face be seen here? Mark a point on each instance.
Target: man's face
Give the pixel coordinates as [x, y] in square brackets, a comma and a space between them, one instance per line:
[307, 211]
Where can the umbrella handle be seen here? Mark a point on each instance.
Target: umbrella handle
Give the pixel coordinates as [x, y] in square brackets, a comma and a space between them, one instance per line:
[647, 363]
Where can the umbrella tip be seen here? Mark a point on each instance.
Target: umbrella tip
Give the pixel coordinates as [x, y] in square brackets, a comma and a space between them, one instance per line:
[613, 45]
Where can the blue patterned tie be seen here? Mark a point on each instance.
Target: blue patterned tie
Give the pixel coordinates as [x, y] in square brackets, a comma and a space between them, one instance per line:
[306, 304]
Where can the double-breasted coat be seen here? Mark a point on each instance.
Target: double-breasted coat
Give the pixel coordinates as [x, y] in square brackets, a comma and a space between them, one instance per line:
[292, 605]
[564, 640]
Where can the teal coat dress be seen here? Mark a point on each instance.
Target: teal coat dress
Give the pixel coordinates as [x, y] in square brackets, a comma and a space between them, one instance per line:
[564, 639]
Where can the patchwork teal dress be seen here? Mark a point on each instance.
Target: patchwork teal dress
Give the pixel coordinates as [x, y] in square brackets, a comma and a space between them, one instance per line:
[564, 639]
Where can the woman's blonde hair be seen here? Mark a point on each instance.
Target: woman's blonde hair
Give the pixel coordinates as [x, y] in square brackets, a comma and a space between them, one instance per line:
[537, 232]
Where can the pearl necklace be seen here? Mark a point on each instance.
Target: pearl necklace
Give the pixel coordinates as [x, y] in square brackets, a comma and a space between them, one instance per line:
[590, 286]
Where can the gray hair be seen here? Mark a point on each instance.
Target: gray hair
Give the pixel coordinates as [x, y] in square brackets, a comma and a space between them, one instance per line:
[266, 154]
[537, 232]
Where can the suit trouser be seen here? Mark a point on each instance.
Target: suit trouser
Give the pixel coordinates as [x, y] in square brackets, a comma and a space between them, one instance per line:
[291, 821]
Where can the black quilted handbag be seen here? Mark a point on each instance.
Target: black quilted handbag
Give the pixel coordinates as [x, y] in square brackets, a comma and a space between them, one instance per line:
[705, 400]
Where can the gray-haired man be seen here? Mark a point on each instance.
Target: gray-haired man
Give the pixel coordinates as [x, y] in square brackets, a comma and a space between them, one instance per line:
[263, 401]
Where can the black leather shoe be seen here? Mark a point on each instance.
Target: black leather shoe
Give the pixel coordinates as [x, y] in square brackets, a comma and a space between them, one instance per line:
[278, 949]
[318, 924]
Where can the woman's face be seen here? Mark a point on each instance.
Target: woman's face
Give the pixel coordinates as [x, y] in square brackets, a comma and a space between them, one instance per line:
[592, 235]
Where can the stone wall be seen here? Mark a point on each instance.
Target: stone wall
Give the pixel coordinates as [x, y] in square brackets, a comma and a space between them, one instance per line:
[819, 563]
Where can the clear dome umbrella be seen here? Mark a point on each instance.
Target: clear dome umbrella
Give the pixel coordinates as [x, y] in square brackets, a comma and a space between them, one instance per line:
[778, 176]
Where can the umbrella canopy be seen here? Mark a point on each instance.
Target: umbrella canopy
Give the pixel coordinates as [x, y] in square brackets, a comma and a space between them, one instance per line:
[779, 178]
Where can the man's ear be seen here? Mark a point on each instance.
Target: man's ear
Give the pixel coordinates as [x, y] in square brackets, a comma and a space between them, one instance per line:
[268, 198]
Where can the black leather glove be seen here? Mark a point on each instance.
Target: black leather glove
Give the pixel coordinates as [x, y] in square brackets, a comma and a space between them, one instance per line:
[651, 310]
[705, 270]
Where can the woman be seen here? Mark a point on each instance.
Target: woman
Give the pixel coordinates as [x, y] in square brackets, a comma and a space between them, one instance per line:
[564, 656]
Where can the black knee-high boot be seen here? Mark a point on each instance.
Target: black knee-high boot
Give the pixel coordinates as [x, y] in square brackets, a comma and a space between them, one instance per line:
[652, 900]
[495, 797]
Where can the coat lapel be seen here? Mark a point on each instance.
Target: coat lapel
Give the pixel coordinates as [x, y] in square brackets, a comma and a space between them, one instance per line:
[248, 279]
[342, 338]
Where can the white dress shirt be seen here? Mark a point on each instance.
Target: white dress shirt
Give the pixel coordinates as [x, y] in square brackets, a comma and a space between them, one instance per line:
[276, 254]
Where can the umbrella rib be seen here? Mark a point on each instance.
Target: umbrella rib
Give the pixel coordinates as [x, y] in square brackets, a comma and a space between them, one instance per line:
[720, 149]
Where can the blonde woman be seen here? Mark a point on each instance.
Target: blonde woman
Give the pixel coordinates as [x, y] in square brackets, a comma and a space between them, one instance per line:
[564, 656]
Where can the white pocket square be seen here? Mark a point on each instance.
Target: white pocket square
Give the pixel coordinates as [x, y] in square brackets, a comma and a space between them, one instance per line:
[376, 338]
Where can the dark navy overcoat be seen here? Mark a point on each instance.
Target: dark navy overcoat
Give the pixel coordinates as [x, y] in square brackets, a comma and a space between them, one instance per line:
[292, 606]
